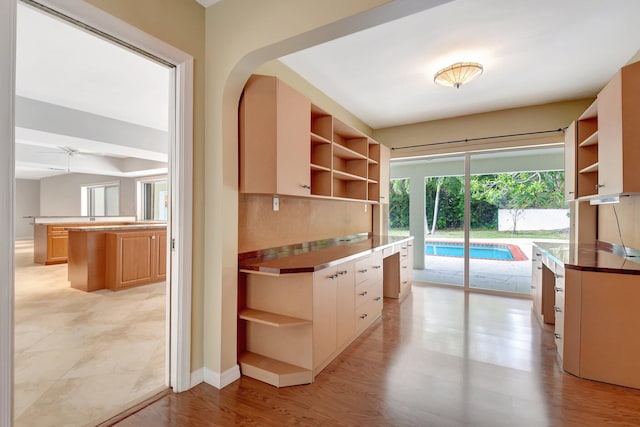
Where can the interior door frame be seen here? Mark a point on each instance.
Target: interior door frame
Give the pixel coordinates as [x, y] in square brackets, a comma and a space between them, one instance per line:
[179, 230]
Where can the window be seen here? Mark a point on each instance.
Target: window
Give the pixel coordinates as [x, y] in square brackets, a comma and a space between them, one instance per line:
[153, 197]
[101, 200]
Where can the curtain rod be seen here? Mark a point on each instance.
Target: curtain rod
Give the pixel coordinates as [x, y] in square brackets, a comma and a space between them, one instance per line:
[481, 138]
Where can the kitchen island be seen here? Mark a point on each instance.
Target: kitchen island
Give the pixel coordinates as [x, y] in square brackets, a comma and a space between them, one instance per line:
[117, 256]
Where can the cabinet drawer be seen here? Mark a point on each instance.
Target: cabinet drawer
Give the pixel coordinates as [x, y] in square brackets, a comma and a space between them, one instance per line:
[369, 268]
[366, 314]
[388, 251]
[367, 291]
[58, 229]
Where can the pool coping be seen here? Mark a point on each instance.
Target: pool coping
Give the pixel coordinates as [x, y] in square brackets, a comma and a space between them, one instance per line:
[516, 251]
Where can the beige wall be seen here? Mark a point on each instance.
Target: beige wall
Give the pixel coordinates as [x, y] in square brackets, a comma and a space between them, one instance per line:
[504, 122]
[180, 23]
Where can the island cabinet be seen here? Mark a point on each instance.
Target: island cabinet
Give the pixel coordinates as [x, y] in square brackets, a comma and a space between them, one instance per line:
[289, 146]
[295, 324]
[135, 258]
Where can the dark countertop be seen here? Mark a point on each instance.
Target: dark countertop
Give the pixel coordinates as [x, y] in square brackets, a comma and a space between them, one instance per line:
[600, 257]
[313, 256]
[102, 228]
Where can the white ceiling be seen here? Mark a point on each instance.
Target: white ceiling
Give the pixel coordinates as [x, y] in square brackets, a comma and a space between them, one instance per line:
[533, 52]
[82, 80]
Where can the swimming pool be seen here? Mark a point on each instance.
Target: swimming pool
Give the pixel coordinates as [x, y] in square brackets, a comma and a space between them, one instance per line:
[492, 251]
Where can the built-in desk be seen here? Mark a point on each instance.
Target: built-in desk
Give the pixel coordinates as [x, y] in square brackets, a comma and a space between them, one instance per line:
[593, 292]
[301, 305]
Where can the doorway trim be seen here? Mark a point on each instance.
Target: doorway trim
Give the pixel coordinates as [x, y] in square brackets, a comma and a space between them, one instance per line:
[180, 178]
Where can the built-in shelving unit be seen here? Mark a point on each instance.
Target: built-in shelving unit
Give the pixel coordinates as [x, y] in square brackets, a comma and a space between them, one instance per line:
[587, 152]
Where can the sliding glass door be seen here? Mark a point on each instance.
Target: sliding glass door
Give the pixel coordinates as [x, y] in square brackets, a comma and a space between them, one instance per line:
[481, 214]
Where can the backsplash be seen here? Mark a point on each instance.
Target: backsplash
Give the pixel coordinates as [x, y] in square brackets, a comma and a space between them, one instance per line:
[628, 212]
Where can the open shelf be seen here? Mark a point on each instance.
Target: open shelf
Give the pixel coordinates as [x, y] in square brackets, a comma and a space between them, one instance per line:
[589, 169]
[271, 319]
[348, 188]
[317, 139]
[347, 153]
[321, 182]
[345, 176]
[274, 372]
[591, 140]
[319, 168]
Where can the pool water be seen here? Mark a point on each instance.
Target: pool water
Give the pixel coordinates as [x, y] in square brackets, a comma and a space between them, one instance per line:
[476, 250]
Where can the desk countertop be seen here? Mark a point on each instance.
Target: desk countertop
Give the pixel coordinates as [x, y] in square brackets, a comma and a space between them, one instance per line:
[601, 257]
[313, 256]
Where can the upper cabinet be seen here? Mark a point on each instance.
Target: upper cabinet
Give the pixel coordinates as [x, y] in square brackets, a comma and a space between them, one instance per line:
[288, 146]
[274, 139]
[602, 148]
[619, 132]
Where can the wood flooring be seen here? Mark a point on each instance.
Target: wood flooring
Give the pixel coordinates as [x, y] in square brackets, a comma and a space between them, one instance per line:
[440, 358]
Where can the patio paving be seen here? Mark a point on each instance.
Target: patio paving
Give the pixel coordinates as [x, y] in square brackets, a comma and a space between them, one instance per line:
[503, 276]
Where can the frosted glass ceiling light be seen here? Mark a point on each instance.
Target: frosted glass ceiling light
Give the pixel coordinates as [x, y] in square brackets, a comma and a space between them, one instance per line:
[458, 74]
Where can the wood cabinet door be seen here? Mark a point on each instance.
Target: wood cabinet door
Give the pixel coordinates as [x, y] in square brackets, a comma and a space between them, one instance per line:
[324, 315]
[57, 245]
[161, 255]
[135, 254]
[293, 151]
[570, 162]
[610, 137]
[383, 184]
[345, 303]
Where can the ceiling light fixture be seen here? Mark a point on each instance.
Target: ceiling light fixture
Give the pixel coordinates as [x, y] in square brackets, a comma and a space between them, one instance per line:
[458, 74]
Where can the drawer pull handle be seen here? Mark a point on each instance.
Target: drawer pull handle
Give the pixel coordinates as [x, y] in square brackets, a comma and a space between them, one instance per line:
[377, 298]
[557, 336]
[559, 276]
[538, 254]
[363, 293]
[557, 309]
[308, 187]
[539, 267]
[364, 316]
[404, 266]
[342, 273]
[364, 270]
[410, 246]
[405, 282]
[377, 266]
[557, 289]
[333, 276]
[533, 287]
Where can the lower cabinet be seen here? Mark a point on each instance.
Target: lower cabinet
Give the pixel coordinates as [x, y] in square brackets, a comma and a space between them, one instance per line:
[296, 324]
[601, 322]
[398, 270]
[135, 258]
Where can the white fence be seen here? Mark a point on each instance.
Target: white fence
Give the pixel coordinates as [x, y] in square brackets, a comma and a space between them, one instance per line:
[533, 219]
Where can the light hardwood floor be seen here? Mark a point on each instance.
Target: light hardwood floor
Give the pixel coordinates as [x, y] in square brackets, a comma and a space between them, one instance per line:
[82, 357]
[441, 358]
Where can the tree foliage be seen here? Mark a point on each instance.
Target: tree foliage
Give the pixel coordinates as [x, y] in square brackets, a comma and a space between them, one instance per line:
[515, 191]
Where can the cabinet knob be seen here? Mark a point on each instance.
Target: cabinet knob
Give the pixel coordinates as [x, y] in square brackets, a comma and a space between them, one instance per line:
[557, 336]
[363, 293]
[533, 287]
[557, 309]
[570, 192]
[342, 273]
[364, 316]
[377, 266]
[364, 270]
[539, 267]
[308, 187]
[333, 276]
[557, 289]
[377, 298]
[598, 186]
[153, 237]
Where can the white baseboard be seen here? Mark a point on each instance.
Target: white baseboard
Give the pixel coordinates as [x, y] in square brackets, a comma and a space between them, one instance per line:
[197, 377]
[221, 380]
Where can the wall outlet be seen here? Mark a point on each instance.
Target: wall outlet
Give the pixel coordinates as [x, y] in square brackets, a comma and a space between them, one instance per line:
[365, 207]
[276, 204]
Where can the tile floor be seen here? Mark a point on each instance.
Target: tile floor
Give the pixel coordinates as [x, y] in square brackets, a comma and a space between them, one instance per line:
[81, 357]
